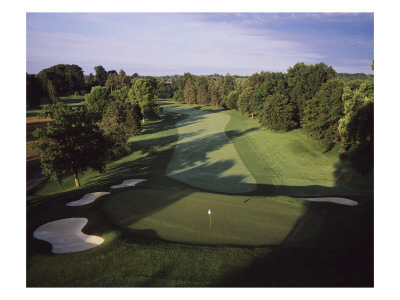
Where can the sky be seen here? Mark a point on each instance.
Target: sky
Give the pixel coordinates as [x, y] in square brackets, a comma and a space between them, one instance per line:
[200, 43]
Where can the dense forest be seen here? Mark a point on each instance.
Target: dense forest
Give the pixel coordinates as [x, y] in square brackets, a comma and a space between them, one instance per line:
[334, 109]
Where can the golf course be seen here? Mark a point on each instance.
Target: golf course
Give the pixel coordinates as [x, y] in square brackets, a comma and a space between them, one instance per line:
[217, 202]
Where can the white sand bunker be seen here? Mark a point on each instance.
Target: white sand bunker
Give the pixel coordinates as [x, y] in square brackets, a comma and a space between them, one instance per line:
[128, 182]
[333, 200]
[66, 235]
[88, 198]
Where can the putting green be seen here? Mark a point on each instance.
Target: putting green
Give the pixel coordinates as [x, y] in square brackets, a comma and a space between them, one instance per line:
[204, 156]
[182, 216]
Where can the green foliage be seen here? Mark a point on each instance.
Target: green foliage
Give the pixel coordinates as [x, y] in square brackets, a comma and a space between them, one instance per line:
[354, 76]
[72, 143]
[190, 92]
[112, 81]
[201, 86]
[244, 103]
[356, 126]
[214, 96]
[278, 113]
[33, 91]
[143, 94]
[230, 102]
[360, 139]
[98, 99]
[114, 131]
[101, 75]
[305, 81]
[228, 85]
[122, 79]
[65, 79]
[323, 112]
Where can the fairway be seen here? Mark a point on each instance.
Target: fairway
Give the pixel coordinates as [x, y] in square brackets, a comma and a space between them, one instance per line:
[181, 216]
[204, 156]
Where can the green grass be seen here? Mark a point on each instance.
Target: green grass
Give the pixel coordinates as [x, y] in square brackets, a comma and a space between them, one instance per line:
[339, 253]
[181, 216]
[291, 164]
[204, 156]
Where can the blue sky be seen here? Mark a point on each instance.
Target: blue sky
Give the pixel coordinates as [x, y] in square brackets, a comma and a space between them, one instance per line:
[200, 43]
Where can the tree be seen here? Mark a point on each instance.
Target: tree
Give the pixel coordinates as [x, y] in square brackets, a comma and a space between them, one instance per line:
[52, 92]
[201, 85]
[101, 75]
[323, 112]
[356, 126]
[65, 79]
[97, 100]
[278, 113]
[244, 104]
[305, 81]
[143, 94]
[230, 102]
[90, 82]
[228, 85]
[114, 131]
[72, 143]
[112, 81]
[33, 91]
[214, 98]
[190, 92]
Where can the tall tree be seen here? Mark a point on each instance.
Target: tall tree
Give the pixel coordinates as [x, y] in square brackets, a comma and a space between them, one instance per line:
[97, 100]
[201, 85]
[143, 94]
[214, 97]
[122, 79]
[323, 112]
[72, 143]
[101, 75]
[278, 113]
[112, 81]
[52, 92]
[90, 82]
[190, 92]
[115, 132]
[33, 91]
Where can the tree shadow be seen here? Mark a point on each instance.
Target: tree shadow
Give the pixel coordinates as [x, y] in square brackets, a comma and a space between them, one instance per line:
[341, 254]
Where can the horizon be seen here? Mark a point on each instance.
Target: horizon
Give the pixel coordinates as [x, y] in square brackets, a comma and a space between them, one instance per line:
[161, 44]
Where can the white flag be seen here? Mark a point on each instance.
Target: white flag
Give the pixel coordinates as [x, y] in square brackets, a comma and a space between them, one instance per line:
[209, 212]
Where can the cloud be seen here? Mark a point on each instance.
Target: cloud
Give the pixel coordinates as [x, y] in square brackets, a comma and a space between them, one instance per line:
[234, 43]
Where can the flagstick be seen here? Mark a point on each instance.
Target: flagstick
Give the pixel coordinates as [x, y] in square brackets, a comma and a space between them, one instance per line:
[209, 213]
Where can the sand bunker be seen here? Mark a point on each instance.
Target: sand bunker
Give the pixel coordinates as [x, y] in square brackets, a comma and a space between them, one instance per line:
[129, 182]
[88, 198]
[66, 235]
[333, 200]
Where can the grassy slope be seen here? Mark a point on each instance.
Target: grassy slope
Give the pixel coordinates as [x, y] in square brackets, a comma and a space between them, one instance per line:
[341, 256]
[289, 163]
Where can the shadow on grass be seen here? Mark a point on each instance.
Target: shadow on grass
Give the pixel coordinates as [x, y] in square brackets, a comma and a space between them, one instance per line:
[342, 255]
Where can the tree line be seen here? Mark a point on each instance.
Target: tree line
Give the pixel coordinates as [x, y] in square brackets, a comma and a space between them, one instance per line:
[311, 97]
[86, 137]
